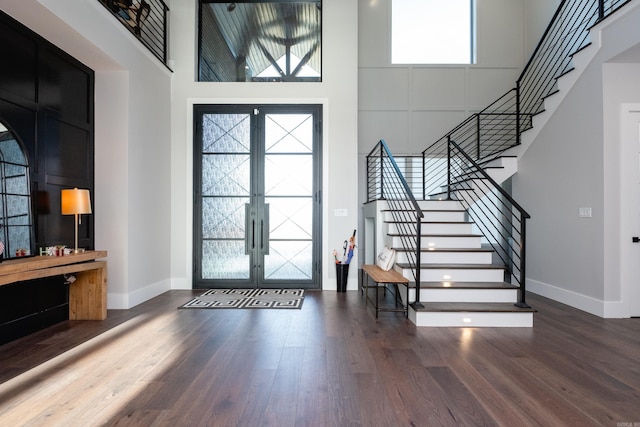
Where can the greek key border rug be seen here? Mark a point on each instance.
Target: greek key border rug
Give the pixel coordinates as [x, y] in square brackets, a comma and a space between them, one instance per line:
[248, 298]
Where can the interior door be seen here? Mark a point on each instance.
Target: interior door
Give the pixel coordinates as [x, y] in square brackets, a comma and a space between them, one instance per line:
[630, 208]
[257, 196]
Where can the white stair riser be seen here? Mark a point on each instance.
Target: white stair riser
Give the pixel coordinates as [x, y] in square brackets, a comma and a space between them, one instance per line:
[472, 319]
[457, 275]
[472, 242]
[434, 257]
[451, 216]
[437, 228]
[465, 295]
[439, 204]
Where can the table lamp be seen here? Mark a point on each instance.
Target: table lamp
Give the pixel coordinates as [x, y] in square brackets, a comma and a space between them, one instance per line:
[75, 202]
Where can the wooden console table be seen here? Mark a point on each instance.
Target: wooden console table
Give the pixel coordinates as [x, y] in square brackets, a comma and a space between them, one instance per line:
[87, 295]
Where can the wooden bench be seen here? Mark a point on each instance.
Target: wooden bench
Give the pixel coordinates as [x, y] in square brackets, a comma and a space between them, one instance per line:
[380, 277]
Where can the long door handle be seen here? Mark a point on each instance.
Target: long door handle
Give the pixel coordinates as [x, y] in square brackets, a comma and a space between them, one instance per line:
[264, 230]
[249, 229]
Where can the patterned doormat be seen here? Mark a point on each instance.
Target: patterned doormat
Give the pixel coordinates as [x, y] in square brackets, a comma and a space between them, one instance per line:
[248, 298]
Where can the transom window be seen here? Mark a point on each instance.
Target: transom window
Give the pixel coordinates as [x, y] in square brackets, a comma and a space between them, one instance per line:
[432, 31]
[263, 41]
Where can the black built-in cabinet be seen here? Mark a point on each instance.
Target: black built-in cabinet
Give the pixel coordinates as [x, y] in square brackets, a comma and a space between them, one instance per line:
[47, 101]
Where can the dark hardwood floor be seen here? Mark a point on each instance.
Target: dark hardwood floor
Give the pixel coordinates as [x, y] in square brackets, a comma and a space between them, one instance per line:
[329, 364]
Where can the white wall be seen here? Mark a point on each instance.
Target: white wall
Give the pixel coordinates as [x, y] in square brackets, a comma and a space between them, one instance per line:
[538, 15]
[338, 95]
[132, 141]
[574, 162]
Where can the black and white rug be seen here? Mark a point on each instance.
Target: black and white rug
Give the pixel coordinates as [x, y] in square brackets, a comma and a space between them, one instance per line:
[248, 298]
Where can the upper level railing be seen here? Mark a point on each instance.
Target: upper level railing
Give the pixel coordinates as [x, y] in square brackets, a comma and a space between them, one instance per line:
[499, 126]
[147, 20]
[387, 183]
[567, 33]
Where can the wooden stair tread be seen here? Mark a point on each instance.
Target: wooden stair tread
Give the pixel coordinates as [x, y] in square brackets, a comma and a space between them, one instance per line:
[476, 307]
[435, 235]
[429, 222]
[483, 250]
[456, 266]
[425, 209]
[464, 285]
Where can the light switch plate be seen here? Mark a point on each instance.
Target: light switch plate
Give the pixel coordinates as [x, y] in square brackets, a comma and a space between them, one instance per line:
[584, 212]
[340, 212]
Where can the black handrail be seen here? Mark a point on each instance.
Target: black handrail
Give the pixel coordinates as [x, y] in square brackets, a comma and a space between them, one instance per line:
[389, 184]
[497, 217]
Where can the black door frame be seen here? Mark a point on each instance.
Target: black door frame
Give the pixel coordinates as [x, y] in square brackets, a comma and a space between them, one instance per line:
[257, 113]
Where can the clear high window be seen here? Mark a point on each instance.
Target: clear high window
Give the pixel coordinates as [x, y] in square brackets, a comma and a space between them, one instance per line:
[432, 31]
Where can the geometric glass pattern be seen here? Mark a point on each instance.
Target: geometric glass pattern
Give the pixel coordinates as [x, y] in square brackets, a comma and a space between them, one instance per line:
[224, 259]
[288, 133]
[223, 218]
[289, 260]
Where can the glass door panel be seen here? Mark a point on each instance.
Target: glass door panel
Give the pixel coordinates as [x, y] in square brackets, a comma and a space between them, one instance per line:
[225, 189]
[288, 183]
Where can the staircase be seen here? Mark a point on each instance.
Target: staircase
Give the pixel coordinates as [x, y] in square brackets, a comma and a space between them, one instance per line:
[462, 284]
[470, 269]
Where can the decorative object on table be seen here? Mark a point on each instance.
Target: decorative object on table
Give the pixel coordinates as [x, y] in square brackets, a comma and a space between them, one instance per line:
[342, 264]
[20, 252]
[248, 298]
[58, 250]
[386, 258]
[75, 202]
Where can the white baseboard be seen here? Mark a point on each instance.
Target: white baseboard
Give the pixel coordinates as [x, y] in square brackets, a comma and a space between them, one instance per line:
[604, 309]
[131, 299]
[181, 284]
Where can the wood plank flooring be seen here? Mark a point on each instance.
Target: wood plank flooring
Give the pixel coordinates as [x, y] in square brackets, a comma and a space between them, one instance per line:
[329, 364]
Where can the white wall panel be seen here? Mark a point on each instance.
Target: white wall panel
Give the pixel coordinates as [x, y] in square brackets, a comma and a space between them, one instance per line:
[392, 126]
[488, 84]
[438, 88]
[383, 89]
[429, 126]
[500, 33]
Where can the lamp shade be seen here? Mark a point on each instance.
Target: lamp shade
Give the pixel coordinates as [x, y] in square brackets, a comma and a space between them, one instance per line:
[75, 201]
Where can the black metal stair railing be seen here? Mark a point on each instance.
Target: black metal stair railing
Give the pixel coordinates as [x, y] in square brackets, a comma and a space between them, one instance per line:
[482, 135]
[385, 181]
[567, 33]
[147, 20]
[493, 211]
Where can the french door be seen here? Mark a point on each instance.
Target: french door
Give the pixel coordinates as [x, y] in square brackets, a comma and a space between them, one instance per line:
[257, 204]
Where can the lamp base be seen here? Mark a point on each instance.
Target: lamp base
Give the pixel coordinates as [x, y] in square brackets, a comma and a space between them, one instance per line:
[78, 251]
